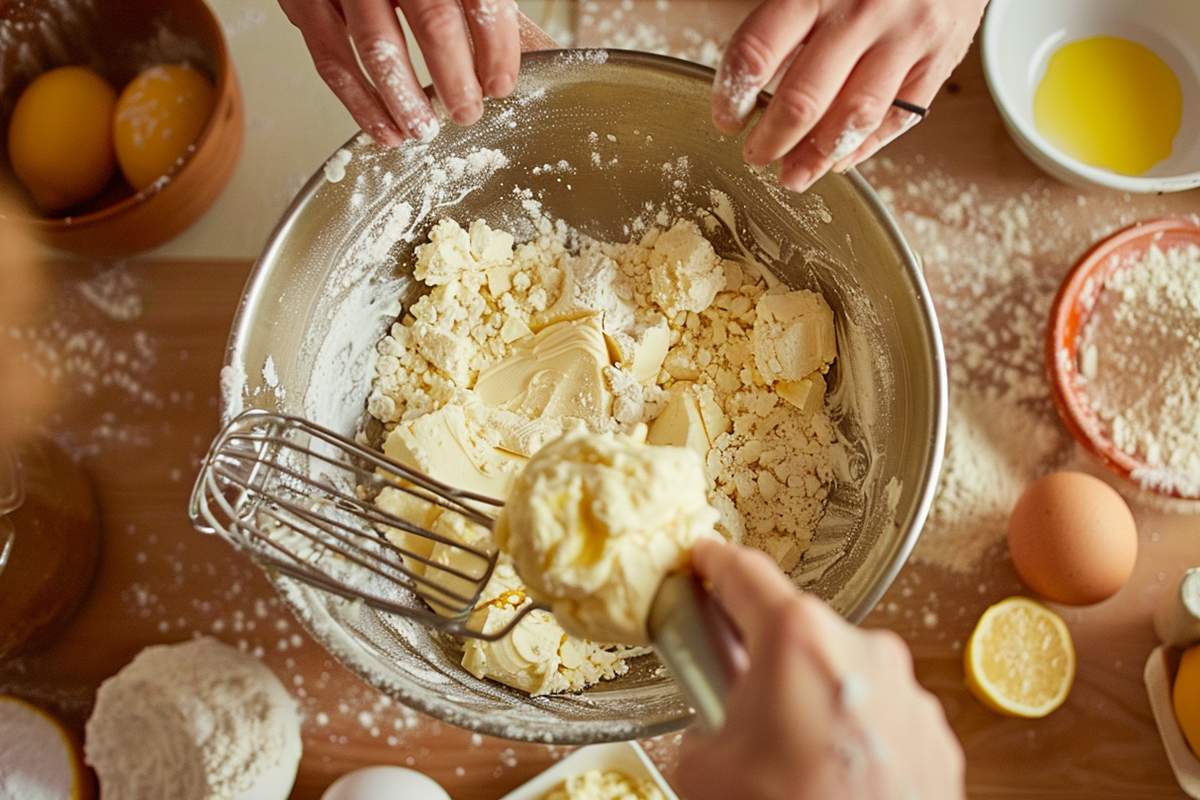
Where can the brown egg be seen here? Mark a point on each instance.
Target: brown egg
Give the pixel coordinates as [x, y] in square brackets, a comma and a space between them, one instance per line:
[1072, 538]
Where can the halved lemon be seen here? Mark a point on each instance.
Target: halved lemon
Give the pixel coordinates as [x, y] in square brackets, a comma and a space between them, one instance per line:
[1020, 660]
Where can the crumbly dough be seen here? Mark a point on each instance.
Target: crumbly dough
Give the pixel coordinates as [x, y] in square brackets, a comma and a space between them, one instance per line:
[518, 343]
[596, 521]
[609, 784]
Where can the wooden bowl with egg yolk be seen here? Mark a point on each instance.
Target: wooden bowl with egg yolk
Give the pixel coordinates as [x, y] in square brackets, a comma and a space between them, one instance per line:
[118, 39]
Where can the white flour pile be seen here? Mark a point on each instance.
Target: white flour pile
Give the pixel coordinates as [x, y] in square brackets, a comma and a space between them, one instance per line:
[1140, 365]
[514, 345]
[194, 721]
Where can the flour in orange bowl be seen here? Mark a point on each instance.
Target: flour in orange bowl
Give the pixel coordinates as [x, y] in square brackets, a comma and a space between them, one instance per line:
[1138, 370]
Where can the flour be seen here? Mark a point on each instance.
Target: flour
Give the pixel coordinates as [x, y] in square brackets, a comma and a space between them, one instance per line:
[980, 260]
[1140, 349]
[847, 142]
[114, 291]
[335, 167]
[194, 721]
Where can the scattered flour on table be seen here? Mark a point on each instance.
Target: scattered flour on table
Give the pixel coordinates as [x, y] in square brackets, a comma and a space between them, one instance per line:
[992, 299]
[1140, 354]
[115, 292]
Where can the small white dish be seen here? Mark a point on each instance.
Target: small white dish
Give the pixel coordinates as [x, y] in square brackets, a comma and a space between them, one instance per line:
[378, 783]
[1160, 671]
[1019, 36]
[627, 757]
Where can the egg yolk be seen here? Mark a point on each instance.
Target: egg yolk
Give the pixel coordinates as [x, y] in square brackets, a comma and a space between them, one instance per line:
[60, 137]
[1111, 103]
[159, 115]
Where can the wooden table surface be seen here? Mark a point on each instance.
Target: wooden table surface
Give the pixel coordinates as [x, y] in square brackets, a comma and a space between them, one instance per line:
[140, 434]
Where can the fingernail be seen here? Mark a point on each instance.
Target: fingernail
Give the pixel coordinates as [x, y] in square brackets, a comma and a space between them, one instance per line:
[500, 86]
[467, 113]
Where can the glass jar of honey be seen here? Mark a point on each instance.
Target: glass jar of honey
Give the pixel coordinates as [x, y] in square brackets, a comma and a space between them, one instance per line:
[49, 543]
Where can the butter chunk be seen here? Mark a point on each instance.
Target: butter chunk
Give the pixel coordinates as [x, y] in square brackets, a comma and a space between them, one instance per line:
[685, 271]
[452, 251]
[691, 418]
[455, 446]
[806, 394]
[422, 513]
[641, 352]
[793, 335]
[558, 372]
[514, 329]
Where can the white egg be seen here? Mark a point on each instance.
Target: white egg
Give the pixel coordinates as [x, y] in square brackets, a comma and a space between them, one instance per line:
[383, 783]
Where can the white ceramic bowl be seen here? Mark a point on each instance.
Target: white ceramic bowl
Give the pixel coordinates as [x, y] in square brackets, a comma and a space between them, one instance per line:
[1019, 36]
[627, 757]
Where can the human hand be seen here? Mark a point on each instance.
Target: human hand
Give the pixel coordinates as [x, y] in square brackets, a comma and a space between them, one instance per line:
[472, 50]
[851, 59]
[823, 711]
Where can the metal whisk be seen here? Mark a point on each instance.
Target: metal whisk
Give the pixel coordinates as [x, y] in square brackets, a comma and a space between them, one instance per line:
[299, 499]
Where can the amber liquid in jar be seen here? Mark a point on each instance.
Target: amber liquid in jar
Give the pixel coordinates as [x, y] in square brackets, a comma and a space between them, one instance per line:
[49, 543]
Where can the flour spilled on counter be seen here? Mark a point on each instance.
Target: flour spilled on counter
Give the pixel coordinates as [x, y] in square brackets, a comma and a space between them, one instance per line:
[992, 301]
[1139, 352]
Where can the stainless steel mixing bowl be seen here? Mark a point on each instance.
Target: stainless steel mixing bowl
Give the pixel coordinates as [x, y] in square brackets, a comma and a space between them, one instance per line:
[596, 137]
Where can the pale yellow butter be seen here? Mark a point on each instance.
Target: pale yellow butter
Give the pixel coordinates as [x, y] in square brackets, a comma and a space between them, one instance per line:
[557, 372]
[793, 335]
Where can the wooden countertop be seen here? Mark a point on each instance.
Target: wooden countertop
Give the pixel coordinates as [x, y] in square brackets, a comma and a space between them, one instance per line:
[140, 438]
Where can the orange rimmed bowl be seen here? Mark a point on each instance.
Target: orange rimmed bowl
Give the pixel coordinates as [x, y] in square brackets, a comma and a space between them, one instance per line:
[119, 38]
[1069, 315]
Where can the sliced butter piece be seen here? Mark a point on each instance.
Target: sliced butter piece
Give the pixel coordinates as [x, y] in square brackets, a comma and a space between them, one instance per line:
[422, 513]
[460, 591]
[806, 394]
[558, 372]
[691, 418]
[454, 446]
[641, 351]
[793, 335]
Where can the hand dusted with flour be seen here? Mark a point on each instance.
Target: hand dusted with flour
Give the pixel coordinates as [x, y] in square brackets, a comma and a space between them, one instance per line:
[472, 49]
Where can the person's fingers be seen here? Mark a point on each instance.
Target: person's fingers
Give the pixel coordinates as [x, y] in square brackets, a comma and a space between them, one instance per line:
[855, 114]
[325, 36]
[749, 583]
[379, 41]
[442, 34]
[919, 87]
[494, 31]
[755, 53]
[807, 89]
